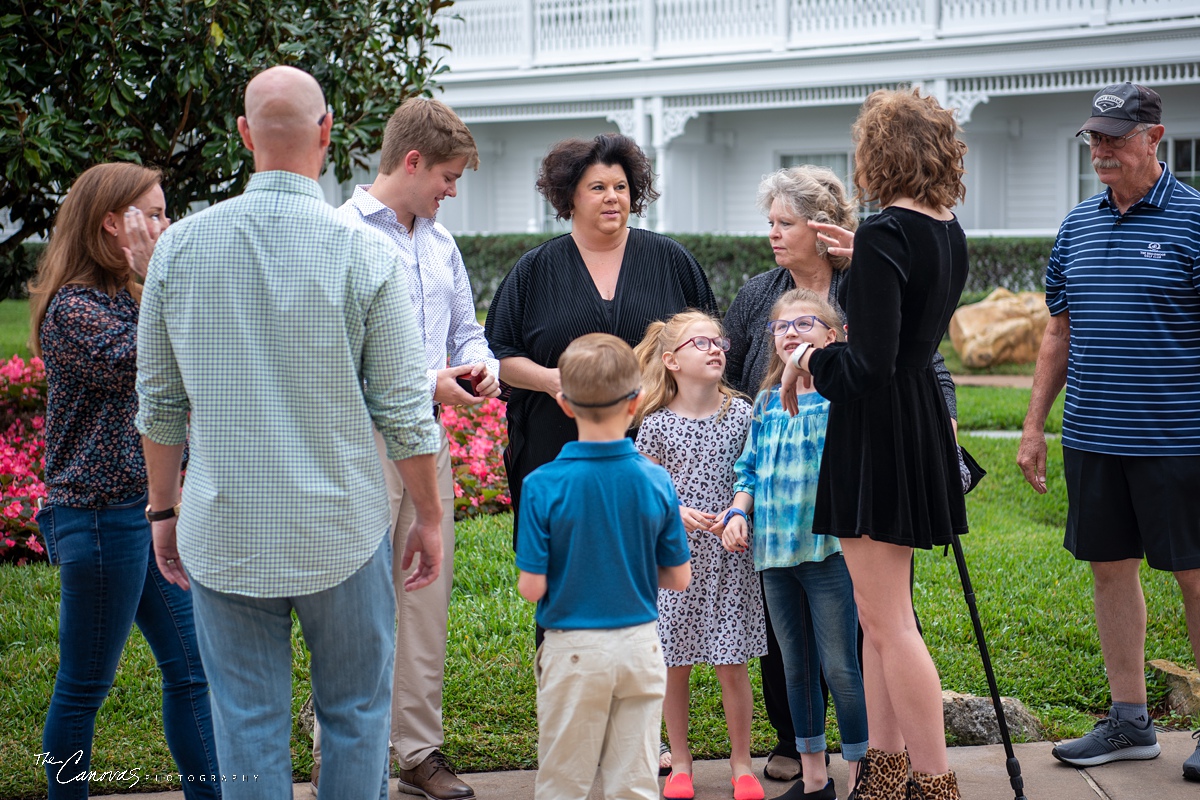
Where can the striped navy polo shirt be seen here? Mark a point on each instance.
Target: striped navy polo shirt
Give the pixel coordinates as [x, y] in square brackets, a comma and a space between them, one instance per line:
[1131, 283]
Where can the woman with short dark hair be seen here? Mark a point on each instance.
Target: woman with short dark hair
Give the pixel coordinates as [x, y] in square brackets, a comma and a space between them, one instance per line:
[601, 277]
[890, 479]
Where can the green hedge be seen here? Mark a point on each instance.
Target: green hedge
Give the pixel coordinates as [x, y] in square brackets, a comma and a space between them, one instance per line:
[729, 261]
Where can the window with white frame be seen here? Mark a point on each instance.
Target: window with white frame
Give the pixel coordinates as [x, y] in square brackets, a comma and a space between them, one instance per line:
[1180, 153]
[1184, 159]
[842, 164]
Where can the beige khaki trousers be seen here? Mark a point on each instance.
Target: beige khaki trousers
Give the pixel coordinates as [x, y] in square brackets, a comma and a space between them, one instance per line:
[599, 708]
[421, 623]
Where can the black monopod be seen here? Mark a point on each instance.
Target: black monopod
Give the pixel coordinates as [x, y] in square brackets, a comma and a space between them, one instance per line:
[1011, 764]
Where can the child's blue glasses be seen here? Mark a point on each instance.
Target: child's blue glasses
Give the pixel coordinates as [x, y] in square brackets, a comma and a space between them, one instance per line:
[779, 327]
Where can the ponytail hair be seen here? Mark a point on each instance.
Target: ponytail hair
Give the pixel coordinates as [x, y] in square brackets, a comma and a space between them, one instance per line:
[658, 384]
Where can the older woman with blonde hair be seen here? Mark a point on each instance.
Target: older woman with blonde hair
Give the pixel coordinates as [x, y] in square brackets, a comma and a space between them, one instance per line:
[811, 221]
[890, 480]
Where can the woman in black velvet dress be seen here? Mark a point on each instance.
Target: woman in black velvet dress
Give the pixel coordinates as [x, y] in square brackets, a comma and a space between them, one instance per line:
[889, 476]
[601, 277]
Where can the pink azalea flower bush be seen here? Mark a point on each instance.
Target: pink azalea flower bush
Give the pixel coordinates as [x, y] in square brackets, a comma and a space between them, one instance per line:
[478, 436]
[22, 406]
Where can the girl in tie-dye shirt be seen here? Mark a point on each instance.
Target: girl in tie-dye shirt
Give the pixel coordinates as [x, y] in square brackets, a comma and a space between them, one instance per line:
[807, 586]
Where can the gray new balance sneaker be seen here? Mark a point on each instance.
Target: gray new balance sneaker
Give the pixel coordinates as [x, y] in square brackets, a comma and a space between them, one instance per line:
[1191, 767]
[1110, 740]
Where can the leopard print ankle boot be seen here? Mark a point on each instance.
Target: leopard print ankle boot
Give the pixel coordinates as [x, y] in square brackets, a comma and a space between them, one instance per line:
[881, 776]
[924, 786]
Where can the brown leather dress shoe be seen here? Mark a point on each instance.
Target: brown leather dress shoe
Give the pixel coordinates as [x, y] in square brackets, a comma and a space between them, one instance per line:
[434, 778]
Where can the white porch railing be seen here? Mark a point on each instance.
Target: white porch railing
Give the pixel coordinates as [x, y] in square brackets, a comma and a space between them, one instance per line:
[506, 34]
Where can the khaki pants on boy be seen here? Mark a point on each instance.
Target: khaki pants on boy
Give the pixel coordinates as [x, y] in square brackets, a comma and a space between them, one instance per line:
[421, 624]
[599, 704]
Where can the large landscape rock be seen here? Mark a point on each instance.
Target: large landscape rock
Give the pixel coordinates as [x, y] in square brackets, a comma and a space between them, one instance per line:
[1184, 695]
[1003, 328]
[971, 720]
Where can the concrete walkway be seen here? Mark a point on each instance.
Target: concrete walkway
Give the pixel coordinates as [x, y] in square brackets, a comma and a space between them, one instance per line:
[1006, 381]
[980, 770]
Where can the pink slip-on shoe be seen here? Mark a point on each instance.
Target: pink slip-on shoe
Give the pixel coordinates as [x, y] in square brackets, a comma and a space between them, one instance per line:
[747, 787]
[679, 787]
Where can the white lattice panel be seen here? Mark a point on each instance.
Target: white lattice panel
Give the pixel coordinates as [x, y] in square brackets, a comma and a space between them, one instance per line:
[989, 16]
[584, 31]
[1137, 10]
[818, 23]
[487, 33]
[699, 25]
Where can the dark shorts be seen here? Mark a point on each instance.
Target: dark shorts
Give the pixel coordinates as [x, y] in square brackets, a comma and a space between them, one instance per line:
[1133, 506]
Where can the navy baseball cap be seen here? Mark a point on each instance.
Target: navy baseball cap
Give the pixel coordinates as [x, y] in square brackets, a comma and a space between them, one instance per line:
[1118, 109]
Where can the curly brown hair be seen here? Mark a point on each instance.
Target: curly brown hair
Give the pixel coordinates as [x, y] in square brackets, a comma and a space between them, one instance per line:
[908, 146]
[564, 165]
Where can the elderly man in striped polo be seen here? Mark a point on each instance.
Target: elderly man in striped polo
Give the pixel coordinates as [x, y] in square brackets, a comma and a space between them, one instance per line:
[1123, 287]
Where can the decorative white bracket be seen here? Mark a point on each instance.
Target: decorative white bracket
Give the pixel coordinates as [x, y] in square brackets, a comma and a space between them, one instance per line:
[626, 121]
[965, 102]
[674, 120]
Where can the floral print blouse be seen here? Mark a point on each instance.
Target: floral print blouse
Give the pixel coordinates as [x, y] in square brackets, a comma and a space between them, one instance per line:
[93, 451]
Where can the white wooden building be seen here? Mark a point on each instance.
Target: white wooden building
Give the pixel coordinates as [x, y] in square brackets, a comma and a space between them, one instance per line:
[721, 92]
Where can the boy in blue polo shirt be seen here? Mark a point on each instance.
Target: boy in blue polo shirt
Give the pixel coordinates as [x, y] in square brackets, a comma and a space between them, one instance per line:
[600, 533]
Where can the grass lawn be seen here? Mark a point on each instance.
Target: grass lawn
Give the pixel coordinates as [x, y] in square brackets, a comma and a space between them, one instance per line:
[1034, 599]
[14, 328]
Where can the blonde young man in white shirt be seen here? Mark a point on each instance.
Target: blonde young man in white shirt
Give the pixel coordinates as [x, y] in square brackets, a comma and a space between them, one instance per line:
[426, 149]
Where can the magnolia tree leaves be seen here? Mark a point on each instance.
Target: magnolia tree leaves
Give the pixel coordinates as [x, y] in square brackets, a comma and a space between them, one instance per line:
[161, 83]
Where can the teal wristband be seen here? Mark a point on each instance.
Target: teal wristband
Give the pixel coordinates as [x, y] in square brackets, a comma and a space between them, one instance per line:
[730, 514]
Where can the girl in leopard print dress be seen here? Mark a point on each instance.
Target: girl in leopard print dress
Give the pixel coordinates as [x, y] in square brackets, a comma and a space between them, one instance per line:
[694, 426]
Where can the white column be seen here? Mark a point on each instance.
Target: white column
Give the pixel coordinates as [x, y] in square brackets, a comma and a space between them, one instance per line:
[668, 123]
[783, 29]
[649, 32]
[528, 33]
[932, 23]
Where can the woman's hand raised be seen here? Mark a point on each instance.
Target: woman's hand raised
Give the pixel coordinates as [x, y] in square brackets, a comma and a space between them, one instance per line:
[839, 239]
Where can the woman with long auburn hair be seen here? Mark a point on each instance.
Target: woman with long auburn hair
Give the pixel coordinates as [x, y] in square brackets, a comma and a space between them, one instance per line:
[890, 479]
[84, 304]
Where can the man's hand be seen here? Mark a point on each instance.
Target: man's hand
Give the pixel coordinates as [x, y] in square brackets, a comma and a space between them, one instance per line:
[486, 384]
[1031, 458]
[449, 393]
[424, 543]
[166, 554]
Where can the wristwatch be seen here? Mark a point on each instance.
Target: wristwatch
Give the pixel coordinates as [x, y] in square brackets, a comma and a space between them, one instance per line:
[731, 513]
[798, 354]
[159, 516]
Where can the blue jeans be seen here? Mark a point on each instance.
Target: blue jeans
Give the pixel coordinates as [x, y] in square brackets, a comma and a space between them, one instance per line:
[109, 581]
[247, 641]
[816, 623]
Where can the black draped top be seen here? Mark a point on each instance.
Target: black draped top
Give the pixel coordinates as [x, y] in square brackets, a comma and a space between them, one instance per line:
[549, 299]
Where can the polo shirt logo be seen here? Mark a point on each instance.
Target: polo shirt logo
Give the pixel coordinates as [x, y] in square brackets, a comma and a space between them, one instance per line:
[1153, 250]
[1106, 102]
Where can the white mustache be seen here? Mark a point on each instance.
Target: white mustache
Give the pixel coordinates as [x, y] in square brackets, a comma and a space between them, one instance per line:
[1105, 163]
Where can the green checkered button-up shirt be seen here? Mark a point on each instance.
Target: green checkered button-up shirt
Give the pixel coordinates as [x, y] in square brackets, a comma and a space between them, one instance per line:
[285, 334]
